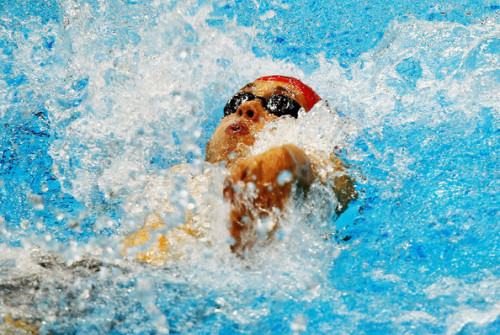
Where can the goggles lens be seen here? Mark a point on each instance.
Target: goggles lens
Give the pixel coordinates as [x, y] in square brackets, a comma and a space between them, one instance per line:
[278, 104]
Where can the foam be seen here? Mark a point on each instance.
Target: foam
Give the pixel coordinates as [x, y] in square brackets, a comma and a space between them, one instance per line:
[125, 106]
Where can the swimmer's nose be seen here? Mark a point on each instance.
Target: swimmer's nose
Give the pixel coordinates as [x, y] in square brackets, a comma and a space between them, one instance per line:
[251, 110]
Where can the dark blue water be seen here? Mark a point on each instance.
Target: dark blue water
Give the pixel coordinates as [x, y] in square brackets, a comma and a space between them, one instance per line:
[97, 96]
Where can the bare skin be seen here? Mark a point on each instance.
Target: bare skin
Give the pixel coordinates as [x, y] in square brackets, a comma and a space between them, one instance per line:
[230, 144]
[271, 192]
[236, 132]
[258, 187]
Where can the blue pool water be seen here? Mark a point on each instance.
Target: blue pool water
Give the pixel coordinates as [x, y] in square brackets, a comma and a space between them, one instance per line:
[98, 96]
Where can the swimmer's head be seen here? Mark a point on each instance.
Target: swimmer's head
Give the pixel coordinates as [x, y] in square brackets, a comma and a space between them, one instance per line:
[246, 113]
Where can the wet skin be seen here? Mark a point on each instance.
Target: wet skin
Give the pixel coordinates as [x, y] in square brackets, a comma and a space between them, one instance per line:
[231, 143]
[236, 132]
[254, 186]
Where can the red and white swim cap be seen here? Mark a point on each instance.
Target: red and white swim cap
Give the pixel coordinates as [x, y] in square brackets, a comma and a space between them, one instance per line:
[311, 97]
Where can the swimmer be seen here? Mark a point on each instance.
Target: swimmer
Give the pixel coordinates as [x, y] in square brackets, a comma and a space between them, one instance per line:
[258, 187]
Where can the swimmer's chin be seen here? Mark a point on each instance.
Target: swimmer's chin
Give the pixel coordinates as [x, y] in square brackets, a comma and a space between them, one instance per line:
[228, 156]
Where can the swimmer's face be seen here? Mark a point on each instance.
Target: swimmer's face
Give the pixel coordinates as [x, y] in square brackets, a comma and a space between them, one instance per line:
[247, 113]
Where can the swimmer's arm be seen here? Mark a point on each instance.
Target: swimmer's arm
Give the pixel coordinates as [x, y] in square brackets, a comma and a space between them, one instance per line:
[166, 247]
[274, 170]
[161, 250]
[270, 175]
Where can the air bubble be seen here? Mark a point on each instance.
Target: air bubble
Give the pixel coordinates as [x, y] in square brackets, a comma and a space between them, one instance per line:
[284, 177]
[36, 201]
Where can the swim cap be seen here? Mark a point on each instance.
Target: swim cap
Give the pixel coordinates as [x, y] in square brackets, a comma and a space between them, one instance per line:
[311, 97]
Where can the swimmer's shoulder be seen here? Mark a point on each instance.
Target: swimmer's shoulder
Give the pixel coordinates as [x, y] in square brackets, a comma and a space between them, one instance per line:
[325, 165]
[331, 170]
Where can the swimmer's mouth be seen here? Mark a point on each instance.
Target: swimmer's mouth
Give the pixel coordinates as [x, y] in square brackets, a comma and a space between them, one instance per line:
[238, 128]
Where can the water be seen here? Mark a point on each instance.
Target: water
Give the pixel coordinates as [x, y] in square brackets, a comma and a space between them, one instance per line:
[100, 98]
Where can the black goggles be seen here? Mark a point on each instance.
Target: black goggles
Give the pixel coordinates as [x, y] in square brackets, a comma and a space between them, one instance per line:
[278, 104]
